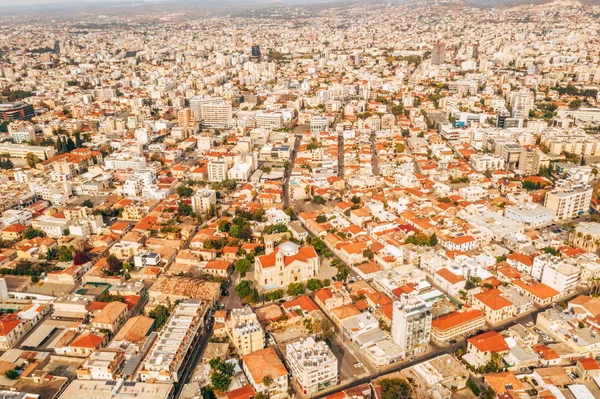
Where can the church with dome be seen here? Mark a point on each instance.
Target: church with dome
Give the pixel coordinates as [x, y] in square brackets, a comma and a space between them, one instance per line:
[285, 264]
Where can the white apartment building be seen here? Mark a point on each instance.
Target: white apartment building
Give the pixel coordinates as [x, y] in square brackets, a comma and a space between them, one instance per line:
[312, 364]
[562, 275]
[121, 161]
[203, 199]
[196, 103]
[21, 151]
[167, 357]
[411, 324]
[483, 162]
[53, 227]
[530, 214]
[318, 124]
[132, 188]
[269, 120]
[22, 135]
[569, 204]
[12, 216]
[101, 365]
[240, 172]
[245, 331]
[100, 390]
[216, 115]
[217, 170]
[142, 135]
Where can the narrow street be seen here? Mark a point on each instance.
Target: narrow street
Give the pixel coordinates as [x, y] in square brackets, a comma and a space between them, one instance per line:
[341, 155]
[288, 171]
[374, 157]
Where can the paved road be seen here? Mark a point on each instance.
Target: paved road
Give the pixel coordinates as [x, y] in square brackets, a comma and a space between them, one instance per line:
[374, 157]
[288, 171]
[341, 155]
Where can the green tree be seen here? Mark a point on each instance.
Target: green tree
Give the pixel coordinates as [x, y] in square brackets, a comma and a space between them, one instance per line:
[317, 199]
[488, 394]
[114, 265]
[185, 191]
[274, 295]
[244, 289]
[275, 228]
[321, 219]
[267, 381]
[220, 382]
[70, 144]
[12, 374]
[207, 393]
[224, 225]
[88, 203]
[324, 330]
[575, 104]
[31, 159]
[64, 254]
[433, 240]
[184, 209]
[314, 284]
[295, 289]
[243, 266]
[160, 314]
[32, 233]
[395, 388]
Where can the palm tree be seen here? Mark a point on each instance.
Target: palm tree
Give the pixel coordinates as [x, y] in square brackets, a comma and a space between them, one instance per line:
[267, 381]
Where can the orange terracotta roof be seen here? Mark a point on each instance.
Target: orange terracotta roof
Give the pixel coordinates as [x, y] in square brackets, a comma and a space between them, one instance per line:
[490, 341]
[454, 319]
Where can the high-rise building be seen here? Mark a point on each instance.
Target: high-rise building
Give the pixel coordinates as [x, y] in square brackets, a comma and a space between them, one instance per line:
[245, 331]
[217, 170]
[18, 110]
[186, 118]
[437, 53]
[196, 103]
[411, 324]
[216, 115]
[255, 51]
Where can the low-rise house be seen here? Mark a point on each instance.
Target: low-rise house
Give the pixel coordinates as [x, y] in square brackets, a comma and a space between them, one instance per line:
[456, 324]
[112, 317]
[482, 346]
[265, 363]
[495, 306]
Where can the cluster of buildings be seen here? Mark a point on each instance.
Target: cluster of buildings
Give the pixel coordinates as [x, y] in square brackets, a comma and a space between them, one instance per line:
[185, 211]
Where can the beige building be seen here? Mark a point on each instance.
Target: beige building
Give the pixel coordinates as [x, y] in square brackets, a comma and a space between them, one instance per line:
[570, 203]
[288, 263]
[112, 317]
[186, 118]
[245, 331]
[456, 324]
[496, 307]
